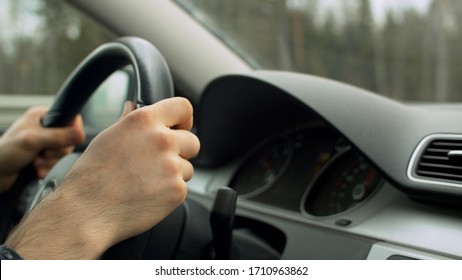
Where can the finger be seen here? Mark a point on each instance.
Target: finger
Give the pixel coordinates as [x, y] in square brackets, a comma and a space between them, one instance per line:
[188, 143]
[129, 106]
[48, 159]
[57, 153]
[51, 138]
[77, 125]
[42, 173]
[43, 166]
[188, 170]
[174, 112]
[37, 112]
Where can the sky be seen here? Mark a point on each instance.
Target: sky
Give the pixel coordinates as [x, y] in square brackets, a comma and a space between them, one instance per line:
[27, 24]
[379, 7]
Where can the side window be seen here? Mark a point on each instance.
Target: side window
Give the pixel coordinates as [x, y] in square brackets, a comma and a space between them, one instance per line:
[41, 41]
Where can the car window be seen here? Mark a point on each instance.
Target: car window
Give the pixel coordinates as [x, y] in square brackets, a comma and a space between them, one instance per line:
[41, 41]
[404, 49]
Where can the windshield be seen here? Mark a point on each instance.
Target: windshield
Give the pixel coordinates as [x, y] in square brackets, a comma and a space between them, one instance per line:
[405, 49]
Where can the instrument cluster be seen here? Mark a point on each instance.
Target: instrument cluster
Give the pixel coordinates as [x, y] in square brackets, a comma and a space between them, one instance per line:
[312, 170]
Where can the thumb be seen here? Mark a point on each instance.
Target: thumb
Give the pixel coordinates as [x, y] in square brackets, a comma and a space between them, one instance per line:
[49, 138]
[57, 137]
[129, 106]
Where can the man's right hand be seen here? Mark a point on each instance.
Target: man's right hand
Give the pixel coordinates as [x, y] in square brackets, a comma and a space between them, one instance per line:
[130, 177]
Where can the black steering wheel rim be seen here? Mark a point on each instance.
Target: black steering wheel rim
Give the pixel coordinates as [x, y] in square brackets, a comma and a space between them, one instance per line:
[153, 81]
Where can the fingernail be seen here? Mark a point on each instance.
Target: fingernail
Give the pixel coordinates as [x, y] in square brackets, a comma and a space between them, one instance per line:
[127, 105]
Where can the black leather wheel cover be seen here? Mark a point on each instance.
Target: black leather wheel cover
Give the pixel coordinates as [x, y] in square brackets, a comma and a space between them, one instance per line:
[153, 78]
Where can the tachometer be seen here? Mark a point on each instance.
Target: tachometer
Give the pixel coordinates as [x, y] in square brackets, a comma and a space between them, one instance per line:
[264, 168]
[344, 183]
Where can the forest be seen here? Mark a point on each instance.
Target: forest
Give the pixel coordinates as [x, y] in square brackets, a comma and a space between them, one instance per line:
[405, 53]
[41, 42]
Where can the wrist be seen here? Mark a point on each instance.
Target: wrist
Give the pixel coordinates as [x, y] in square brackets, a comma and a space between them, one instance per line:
[58, 229]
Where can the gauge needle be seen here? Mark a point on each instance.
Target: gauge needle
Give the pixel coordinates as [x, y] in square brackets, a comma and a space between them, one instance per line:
[268, 168]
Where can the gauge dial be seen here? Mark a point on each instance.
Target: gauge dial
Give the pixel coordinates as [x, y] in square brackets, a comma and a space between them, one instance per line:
[264, 168]
[347, 181]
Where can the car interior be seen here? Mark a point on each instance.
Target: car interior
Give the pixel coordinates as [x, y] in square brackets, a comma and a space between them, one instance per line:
[292, 165]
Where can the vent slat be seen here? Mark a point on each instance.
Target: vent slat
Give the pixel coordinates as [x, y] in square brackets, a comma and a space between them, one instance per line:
[435, 158]
[456, 144]
[437, 151]
[440, 175]
[441, 166]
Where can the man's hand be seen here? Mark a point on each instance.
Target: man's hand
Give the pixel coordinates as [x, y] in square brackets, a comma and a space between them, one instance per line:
[131, 177]
[27, 141]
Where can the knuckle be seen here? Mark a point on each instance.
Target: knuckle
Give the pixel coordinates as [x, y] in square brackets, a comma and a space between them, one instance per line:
[28, 139]
[138, 117]
[185, 105]
[163, 139]
[36, 110]
[171, 167]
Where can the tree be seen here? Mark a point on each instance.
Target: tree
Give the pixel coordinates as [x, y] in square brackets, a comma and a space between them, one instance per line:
[48, 40]
[455, 45]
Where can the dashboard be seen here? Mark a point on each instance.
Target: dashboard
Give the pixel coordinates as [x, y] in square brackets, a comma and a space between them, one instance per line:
[323, 168]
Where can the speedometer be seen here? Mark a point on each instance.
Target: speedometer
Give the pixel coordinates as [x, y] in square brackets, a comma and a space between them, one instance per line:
[345, 182]
[264, 168]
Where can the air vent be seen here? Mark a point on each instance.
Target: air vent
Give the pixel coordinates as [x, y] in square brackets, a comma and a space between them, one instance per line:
[438, 159]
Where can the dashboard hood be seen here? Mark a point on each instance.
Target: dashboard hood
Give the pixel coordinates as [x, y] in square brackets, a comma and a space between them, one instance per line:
[237, 110]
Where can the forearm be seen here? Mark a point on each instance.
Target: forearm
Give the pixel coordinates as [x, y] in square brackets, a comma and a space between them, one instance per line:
[45, 234]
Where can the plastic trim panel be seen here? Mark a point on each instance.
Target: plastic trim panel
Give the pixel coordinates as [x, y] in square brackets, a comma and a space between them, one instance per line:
[383, 251]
